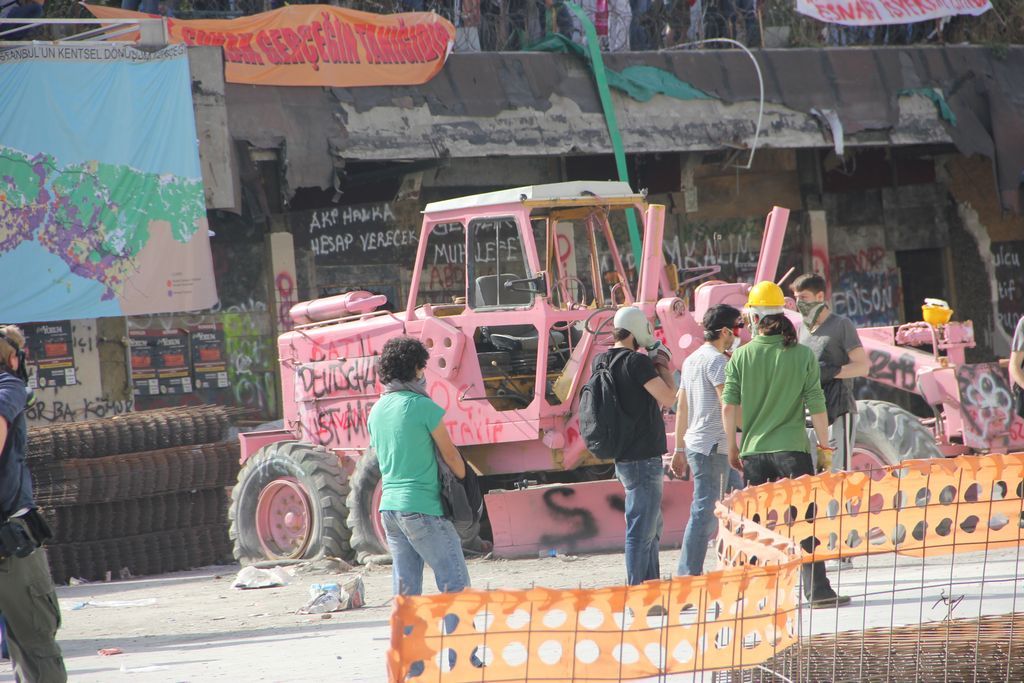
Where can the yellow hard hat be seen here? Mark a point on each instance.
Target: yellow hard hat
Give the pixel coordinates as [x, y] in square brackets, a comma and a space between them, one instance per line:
[766, 294]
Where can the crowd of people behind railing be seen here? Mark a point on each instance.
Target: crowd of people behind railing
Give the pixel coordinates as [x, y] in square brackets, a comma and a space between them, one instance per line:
[621, 25]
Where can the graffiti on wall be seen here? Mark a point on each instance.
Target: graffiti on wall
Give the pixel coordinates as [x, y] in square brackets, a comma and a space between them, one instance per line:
[251, 354]
[286, 292]
[986, 404]
[363, 232]
[52, 411]
[732, 245]
[1008, 257]
[865, 288]
[231, 354]
[65, 374]
[869, 299]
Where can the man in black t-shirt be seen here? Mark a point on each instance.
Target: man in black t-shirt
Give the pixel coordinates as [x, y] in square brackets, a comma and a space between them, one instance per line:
[644, 384]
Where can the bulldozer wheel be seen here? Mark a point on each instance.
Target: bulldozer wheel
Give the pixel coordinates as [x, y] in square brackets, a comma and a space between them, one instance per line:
[368, 539]
[888, 435]
[289, 503]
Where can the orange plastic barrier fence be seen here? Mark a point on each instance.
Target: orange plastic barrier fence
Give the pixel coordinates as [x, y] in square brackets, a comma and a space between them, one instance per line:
[922, 507]
[737, 617]
[686, 624]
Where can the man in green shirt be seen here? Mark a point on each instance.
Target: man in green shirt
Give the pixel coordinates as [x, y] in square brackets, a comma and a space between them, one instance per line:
[405, 429]
[768, 383]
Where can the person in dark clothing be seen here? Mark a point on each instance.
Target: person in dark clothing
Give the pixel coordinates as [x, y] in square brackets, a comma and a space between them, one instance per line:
[27, 598]
[644, 384]
[841, 357]
[19, 9]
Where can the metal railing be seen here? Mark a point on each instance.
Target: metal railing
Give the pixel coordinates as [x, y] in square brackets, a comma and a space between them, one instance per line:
[142, 32]
[631, 25]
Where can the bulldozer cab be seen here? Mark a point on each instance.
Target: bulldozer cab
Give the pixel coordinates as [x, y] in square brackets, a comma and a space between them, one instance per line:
[502, 291]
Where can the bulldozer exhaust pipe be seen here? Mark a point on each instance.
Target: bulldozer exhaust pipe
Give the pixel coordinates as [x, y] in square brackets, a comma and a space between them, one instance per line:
[652, 262]
[771, 244]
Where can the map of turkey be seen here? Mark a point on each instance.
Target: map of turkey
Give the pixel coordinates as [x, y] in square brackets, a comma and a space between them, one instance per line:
[96, 217]
[102, 205]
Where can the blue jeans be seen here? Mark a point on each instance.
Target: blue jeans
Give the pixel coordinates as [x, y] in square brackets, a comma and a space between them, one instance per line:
[643, 481]
[712, 478]
[415, 538]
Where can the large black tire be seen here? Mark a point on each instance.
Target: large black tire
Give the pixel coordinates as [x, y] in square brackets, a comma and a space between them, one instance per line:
[368, 546]
[893, 434]
[322, 479]
[362, 515]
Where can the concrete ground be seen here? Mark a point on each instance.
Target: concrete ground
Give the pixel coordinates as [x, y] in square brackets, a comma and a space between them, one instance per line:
[192, 626]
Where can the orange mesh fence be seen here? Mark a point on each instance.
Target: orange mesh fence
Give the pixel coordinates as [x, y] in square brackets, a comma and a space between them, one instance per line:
[921, 507]
[742, 541]
[735, 618]
[608, 634]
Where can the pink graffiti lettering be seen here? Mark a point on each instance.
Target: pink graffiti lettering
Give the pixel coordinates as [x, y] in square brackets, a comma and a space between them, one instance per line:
[872, 258]
[443, 278]
[285, 284]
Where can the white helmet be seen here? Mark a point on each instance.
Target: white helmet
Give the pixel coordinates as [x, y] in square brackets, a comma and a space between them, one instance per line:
[633, 319]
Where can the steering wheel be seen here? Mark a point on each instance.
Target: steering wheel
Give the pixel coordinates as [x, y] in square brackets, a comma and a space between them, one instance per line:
[563, 291]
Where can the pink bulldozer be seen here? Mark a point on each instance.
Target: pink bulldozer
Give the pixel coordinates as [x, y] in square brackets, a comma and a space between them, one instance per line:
[513, 293]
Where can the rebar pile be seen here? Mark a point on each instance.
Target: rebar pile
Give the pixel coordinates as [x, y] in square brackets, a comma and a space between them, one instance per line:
[137, 494]
[973, 649]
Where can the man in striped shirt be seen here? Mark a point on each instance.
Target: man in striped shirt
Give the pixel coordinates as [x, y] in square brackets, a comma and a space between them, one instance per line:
[703, 449]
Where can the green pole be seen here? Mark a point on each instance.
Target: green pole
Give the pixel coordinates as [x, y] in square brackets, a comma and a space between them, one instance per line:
[597, 66]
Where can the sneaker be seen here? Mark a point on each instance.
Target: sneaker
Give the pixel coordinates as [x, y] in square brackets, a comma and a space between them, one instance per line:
[830, 601]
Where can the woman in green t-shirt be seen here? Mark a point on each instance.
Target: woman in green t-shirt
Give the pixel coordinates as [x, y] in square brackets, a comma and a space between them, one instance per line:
[405, 429]
[769, 382]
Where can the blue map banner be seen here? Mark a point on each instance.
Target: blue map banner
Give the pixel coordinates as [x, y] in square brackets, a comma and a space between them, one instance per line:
[102, 211]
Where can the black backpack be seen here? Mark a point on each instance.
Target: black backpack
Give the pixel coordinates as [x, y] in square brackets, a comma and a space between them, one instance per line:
[605, 427]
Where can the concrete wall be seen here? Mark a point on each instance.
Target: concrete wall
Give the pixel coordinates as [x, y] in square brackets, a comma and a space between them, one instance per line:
[92, 395]
[206, 67]
[989, 252]
[715, 215]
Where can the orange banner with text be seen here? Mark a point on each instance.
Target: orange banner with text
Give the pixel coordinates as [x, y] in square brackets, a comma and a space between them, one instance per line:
[318, 45]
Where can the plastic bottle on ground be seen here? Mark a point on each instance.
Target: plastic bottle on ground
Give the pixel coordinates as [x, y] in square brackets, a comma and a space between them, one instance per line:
[327, 601]
[316, 589]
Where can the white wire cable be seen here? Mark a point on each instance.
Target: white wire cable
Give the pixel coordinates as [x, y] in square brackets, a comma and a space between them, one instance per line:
[760, 85]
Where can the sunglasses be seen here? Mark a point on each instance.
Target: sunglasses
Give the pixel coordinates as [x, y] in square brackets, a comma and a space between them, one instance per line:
[737, 327]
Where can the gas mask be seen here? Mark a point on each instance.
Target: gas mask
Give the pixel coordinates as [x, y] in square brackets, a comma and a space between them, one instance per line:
[735, 344]
[810, 310]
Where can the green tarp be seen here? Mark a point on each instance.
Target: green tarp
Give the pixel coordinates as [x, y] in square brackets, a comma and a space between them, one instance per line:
[639, 82]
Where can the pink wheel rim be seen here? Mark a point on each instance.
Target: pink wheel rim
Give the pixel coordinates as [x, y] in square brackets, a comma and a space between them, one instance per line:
[283, 519]
[863, 460]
